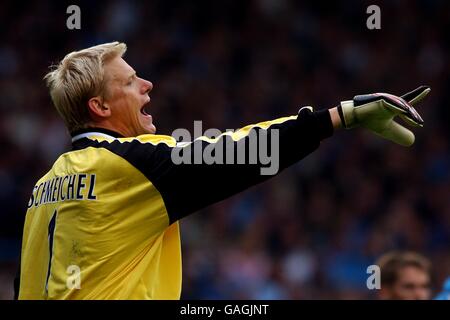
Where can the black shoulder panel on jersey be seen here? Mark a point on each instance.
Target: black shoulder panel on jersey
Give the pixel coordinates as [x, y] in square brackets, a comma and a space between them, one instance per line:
[186, 188]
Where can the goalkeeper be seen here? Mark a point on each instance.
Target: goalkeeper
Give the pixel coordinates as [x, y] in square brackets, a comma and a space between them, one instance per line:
[102, 223]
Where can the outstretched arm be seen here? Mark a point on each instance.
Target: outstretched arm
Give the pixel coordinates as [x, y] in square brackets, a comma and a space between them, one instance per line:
[193, 175]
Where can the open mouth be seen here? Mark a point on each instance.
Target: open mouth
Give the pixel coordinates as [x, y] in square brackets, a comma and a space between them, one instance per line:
[143, 111]
[144, 107]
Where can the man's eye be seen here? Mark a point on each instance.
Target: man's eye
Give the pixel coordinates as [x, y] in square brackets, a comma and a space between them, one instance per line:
[130, 81]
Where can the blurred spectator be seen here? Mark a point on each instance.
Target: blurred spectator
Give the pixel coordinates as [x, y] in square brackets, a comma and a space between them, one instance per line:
[404, 276]
[445, 293]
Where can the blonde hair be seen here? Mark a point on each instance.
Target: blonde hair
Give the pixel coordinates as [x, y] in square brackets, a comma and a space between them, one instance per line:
[79, 77]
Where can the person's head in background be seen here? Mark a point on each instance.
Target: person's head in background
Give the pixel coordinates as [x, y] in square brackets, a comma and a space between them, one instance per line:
[404, 276]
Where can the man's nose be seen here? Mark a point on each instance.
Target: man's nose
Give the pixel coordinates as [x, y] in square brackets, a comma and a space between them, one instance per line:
[147, 87]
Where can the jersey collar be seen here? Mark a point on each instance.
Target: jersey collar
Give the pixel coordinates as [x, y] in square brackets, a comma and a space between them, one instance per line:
[98, 132]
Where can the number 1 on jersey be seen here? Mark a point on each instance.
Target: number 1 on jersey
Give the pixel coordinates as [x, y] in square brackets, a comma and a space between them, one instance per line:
[51, 234]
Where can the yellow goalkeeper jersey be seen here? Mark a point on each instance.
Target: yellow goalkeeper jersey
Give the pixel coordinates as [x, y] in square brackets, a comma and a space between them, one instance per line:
[103, 222]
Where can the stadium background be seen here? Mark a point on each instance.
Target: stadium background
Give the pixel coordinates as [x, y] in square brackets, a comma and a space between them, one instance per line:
[310, 232]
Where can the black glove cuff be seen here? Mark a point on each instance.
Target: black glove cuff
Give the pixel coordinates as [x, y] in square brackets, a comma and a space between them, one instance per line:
[341, 115]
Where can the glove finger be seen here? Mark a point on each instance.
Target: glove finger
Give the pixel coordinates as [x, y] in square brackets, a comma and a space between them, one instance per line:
[410, 121]
[398, 134]
[400, 106]
[417, 95]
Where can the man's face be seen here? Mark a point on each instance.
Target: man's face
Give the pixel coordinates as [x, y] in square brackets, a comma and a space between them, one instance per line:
[126, 96]
[412, 284]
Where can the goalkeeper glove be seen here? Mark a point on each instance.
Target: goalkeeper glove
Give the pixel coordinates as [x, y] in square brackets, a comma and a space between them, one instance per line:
[377, 111]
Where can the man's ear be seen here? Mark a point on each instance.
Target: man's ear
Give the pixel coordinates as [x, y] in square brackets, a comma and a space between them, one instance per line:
[97, 108]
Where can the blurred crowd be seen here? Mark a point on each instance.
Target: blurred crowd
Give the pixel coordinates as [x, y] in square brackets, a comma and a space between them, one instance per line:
[312, 231]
